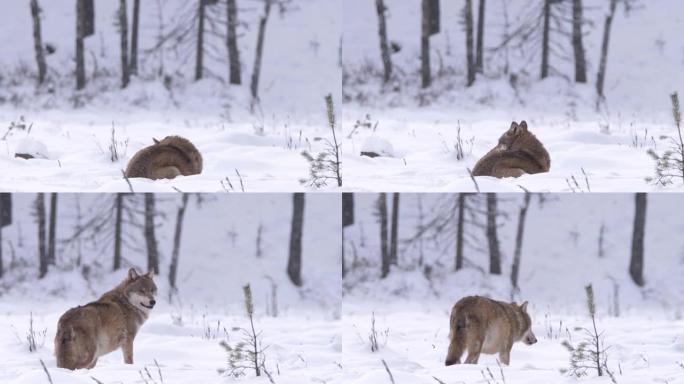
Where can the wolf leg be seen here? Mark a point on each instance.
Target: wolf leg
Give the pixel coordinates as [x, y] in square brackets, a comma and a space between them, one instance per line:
[164, 173]
[456, 349]
[92, 364]
[127, 348]
[475, 340]
[505, 356]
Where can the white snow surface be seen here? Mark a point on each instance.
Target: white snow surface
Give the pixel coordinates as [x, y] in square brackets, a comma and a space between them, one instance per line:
[218, 255]
[559, 258]
[645, 65]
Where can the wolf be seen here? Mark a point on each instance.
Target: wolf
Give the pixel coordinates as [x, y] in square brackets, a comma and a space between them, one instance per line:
[483, 325]
[166, 159]
[517, 153]
[87, 332]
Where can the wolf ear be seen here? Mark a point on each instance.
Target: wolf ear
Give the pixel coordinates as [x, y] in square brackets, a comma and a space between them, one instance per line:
[149, 274]
[523, 125]
[523, 306]
[133, 274]
[155, 140]
[513, 128]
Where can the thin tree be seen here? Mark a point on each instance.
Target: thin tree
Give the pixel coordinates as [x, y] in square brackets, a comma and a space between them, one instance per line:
[231, 41]
[395, 229]
[133, 65]
[199, 51]
[52, 229]
[256, 72]
[636, 262]
[545, 39]
[123, 31]
[459, 230]
[294, 261]
[479, 61]
[517, 253]
[577, 46]
[4, 220]
[384, 46]
[492, 238]
[117, 230]
[347, 220]
[38, 41]
[173, 268]
[470, 61]
[426, 76]
[82, 10]
[150, 238]
[40, 218]
[601, 76]
[382, 213]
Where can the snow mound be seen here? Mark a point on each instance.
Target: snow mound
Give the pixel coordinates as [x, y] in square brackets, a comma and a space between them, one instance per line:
[377, 146]
[32, 147]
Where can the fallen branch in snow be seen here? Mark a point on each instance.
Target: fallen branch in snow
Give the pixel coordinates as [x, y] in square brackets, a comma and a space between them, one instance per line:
[130, 187]
[477, 187]
[46, 371]
[388, 371]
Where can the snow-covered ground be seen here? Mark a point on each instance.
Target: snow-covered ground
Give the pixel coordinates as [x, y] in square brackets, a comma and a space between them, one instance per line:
[560, 255]
[219, 254]
[645, 65]
[300, 66]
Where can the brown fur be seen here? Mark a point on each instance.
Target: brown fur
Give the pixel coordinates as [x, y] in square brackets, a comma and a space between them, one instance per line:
[87, 332]
[518, 152]
[166, 159]
[481, 325]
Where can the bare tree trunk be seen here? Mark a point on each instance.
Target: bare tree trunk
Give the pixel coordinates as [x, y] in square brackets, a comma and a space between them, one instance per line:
[384, 46]
[492, 238]
[470, 61]
[199, 58]
[636, 263]
[382, 212]
[395, 229]
[123, 30]
[459, 231]
[294, 261]
[52, 229]
[38, 41]
[601, 76]
[117, 231]
[233, 51]
[133, 66]
[173, 268]
[426, 76]
[577, 46]
[518, 242]
[254, 86]
[545, 39]
[42, 253]
[2, 216]
[150, 238]
[5, 219]
[479, 61]
[80, 35]
[347, 220]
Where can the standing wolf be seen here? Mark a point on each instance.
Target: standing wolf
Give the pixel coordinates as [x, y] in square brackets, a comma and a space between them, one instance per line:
[87, 332]
[166, 159]
[518, 152]
[483, 325]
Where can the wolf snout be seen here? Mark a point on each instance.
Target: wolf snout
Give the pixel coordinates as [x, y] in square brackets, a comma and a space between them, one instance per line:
[531, 340]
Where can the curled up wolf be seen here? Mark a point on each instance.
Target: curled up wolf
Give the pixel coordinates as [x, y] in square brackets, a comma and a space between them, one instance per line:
[89, 331]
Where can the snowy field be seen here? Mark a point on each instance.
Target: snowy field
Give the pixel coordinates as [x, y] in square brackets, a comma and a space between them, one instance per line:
[228, 241]
[421, 126]
[261, 146]
[570, 241]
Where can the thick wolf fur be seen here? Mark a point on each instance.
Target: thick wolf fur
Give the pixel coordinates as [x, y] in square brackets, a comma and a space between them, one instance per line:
[87, 332]
[517, 153]
[481, 325]
[166, 159]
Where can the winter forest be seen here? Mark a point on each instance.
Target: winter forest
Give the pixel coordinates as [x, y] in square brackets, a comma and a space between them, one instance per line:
[429, 86]
[63, 250]
[409, 257]
[86, 84]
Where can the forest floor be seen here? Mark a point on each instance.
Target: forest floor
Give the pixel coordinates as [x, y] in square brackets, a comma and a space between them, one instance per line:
[643, 348]
[173, 347]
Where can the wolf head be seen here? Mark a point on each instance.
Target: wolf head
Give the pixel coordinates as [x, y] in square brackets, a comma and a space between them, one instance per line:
[513, 135]
[140, 290]
[527, 336]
